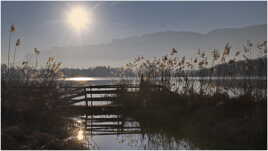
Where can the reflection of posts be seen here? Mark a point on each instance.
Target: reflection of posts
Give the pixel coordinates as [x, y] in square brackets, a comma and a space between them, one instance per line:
[141, 80]
[142, 83]
[91, 100]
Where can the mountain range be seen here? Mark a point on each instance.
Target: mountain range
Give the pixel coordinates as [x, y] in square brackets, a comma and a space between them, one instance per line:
[120, 51]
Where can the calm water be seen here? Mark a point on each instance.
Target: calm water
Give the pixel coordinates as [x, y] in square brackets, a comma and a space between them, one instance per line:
[106, 131]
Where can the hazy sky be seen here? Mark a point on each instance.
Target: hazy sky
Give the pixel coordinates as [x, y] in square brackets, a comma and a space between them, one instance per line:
[44, 24]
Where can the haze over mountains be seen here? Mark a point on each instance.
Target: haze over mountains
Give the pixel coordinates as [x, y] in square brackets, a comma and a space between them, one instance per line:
[120, 51]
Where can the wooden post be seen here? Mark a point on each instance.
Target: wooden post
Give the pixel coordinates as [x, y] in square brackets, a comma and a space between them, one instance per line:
[91, 121]
[86, 120]
[85, 91]
[91, 103]
[117, 131]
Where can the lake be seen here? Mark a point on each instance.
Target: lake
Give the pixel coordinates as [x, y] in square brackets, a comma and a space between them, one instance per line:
[113, 131]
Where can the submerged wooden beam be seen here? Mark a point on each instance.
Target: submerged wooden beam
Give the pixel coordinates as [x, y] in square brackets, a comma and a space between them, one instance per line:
[117, 133]
[105, 98]
[116, 130]
[103, 91]
[109, 128]
[79, 94]
[105, 125]
[99, 120]
[93, 99]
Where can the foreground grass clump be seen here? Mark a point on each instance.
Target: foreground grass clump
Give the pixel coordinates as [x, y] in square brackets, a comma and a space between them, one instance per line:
[209, 121]
[33, 114]
[32, 119]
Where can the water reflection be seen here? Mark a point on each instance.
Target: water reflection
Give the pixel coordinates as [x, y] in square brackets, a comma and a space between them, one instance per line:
[112, 131]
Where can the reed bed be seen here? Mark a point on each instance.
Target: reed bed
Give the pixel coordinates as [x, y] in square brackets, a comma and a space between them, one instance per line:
[200, 109]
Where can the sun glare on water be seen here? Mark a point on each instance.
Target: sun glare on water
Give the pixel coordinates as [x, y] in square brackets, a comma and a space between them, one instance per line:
[79, 79]
[79, 18]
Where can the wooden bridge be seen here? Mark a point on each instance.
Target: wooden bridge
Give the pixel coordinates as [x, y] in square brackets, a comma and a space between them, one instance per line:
[97, 93]
[103, 118]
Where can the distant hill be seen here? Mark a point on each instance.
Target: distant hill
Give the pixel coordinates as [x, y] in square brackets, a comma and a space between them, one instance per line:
[120, 51]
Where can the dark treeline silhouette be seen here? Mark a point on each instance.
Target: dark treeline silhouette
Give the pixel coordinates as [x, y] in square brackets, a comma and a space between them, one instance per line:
[249, 68]
[99, 71]
[257, 67]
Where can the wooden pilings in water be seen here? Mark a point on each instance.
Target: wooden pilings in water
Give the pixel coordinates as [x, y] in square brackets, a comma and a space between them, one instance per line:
[108, 92]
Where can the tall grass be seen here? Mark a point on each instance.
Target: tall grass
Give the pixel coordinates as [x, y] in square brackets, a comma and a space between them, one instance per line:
[12, 29]
[14, 56]
[176, 72]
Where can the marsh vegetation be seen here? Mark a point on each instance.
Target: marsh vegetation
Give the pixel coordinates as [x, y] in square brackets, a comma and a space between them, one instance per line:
[226, 112]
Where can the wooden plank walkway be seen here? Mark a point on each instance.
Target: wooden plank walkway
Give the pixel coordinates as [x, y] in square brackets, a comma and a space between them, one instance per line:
[95, 93]
[95, 120]
[88, 94]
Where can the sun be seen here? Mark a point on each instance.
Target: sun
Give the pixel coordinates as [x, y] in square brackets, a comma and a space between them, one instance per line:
[79, 18]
